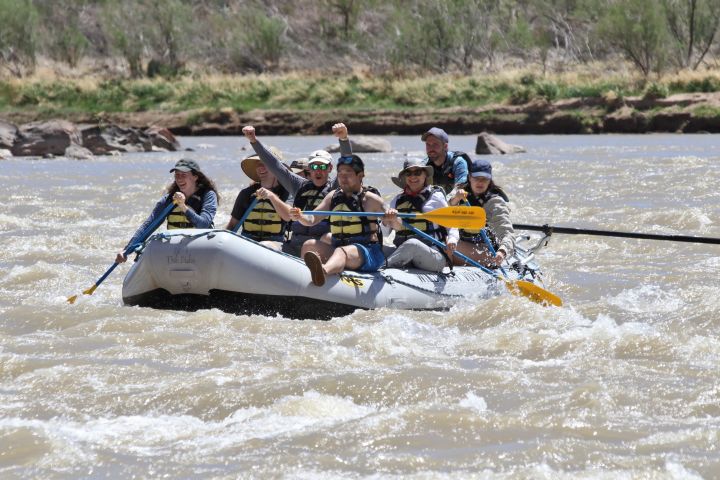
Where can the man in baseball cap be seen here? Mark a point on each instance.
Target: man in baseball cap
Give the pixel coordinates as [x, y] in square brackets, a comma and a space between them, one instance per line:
[450, 169]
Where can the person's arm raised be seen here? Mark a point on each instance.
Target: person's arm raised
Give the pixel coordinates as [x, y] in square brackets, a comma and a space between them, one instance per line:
[289, 180]
[341, 132]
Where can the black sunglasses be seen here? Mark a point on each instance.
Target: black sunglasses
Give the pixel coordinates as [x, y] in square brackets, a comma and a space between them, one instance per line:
[415, 172]
[345, 160]
[318, 166]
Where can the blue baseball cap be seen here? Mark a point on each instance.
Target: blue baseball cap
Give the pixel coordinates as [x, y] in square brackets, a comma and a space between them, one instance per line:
[481, 168]
[352, 160]
[436, 132]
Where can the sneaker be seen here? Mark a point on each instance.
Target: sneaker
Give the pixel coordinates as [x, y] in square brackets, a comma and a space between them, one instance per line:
[312, 260]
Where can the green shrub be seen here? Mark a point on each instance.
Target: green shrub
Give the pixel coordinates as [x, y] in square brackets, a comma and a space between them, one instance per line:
[521, 95]
[655, 90]
[528, 79]
[548, 90]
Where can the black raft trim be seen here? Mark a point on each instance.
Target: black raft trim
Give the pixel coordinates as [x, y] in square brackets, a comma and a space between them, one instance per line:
[300, 308]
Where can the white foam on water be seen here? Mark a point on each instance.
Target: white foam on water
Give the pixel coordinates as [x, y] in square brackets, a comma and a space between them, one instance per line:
[647, 299]
[23, 275]
[78, 442]
[399, 335]
[287, 416]
[473, 402]
[678, 472]
[687, 438]
[8, 222]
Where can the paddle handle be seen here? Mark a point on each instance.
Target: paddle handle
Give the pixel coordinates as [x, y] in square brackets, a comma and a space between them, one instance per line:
[609, 233]
[250, 208]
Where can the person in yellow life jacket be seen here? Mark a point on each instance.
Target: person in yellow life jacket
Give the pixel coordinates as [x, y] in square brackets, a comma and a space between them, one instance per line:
[419, 195]
[195, 197]
[482, 192]
[353, 243]
[263, 223]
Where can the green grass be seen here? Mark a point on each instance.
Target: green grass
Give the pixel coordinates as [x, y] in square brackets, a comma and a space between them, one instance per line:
[706, 111]
[301, 92]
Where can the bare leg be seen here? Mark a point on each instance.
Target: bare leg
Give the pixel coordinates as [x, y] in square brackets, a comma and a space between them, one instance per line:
[477, 252]
[346, 257]
[324, 250]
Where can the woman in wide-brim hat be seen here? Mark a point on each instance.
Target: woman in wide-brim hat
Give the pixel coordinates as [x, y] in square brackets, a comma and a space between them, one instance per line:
[413, 164]
[418, 196]
[195, 197]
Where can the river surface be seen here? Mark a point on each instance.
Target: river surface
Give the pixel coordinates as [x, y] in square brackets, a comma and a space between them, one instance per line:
[621, 382]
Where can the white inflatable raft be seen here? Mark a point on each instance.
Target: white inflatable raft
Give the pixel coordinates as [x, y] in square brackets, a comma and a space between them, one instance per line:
[192, 269]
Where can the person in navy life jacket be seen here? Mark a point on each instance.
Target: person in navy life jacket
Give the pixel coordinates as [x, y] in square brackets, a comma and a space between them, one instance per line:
[263, 223]
[354, 242]
[482, 192]
[419, 195]
[450, 168]
[195, 197]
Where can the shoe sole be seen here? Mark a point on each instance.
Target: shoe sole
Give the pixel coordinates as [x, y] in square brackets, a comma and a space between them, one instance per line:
[312, 260]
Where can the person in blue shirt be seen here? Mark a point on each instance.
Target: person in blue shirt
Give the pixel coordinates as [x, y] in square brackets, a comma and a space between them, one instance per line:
[450, 169]
[195, 197]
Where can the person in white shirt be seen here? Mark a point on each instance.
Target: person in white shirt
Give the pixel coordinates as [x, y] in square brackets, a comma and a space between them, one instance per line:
[419, 195]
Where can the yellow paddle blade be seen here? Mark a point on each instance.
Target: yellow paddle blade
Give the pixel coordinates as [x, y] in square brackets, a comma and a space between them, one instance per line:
[470, 218]
[533, 292]
[90, 290]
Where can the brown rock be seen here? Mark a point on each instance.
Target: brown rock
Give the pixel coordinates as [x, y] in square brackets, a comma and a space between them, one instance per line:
[490, 145]
[363, 144]
[8, 134]
[45, 138]
[103, 140]
[162, 138]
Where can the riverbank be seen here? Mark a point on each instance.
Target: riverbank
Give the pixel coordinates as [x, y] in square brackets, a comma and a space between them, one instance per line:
[293, 104]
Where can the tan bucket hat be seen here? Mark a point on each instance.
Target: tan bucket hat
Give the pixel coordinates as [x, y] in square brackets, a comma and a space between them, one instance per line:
[413, 163]
[249, 164]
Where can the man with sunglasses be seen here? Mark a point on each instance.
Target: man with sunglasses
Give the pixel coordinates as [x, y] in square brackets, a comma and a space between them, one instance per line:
[307, 191]
[354, 243]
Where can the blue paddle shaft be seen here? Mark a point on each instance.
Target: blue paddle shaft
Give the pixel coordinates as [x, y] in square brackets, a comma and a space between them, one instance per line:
[144, 236]
[245, 215]
[490, 247]
[326, 213]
